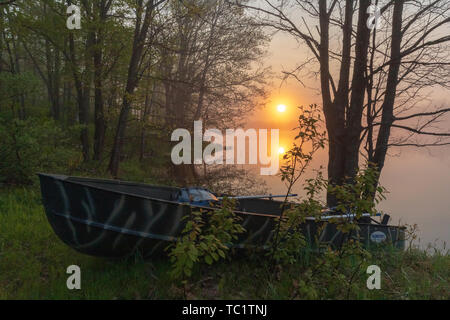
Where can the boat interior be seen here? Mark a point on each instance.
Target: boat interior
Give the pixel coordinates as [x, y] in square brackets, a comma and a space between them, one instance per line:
[261, 206]
[138, 189]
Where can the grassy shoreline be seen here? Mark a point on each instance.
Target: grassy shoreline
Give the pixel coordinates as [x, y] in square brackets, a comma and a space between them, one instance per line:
[33, 263]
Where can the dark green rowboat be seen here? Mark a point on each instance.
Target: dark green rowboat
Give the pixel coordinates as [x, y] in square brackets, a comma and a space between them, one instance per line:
[108, 218]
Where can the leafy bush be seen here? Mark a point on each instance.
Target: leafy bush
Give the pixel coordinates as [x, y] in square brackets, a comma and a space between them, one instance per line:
[207, 237]
[358, 198]
[28, 146]
[13, 85]
[292, 241]
[361, 195]
[288, 239]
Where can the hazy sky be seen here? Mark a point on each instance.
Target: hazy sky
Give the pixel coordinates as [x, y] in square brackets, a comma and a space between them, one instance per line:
[418, 180]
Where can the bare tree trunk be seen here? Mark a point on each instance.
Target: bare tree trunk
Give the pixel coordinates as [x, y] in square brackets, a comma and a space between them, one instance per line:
[57, 84]
[344, 123]
[391, 87]
[82, 87]
[101, 9]
[148, 106]
[335, 112]
[356, 107]
[53, 65]
[100, 123]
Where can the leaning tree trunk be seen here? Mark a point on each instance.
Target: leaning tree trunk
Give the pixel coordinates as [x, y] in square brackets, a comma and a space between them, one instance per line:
[140, 34]
[391, 88]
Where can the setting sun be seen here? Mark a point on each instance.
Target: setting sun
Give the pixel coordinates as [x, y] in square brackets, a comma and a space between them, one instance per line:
[281, 108]
[281, 150]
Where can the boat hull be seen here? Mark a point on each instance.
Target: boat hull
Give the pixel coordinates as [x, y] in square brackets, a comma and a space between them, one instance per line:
[110, 223]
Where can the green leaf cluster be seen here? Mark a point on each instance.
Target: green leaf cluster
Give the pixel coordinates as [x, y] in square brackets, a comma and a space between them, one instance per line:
[207, 237]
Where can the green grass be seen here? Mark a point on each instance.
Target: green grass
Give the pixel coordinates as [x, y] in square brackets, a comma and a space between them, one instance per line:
[33, 263]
